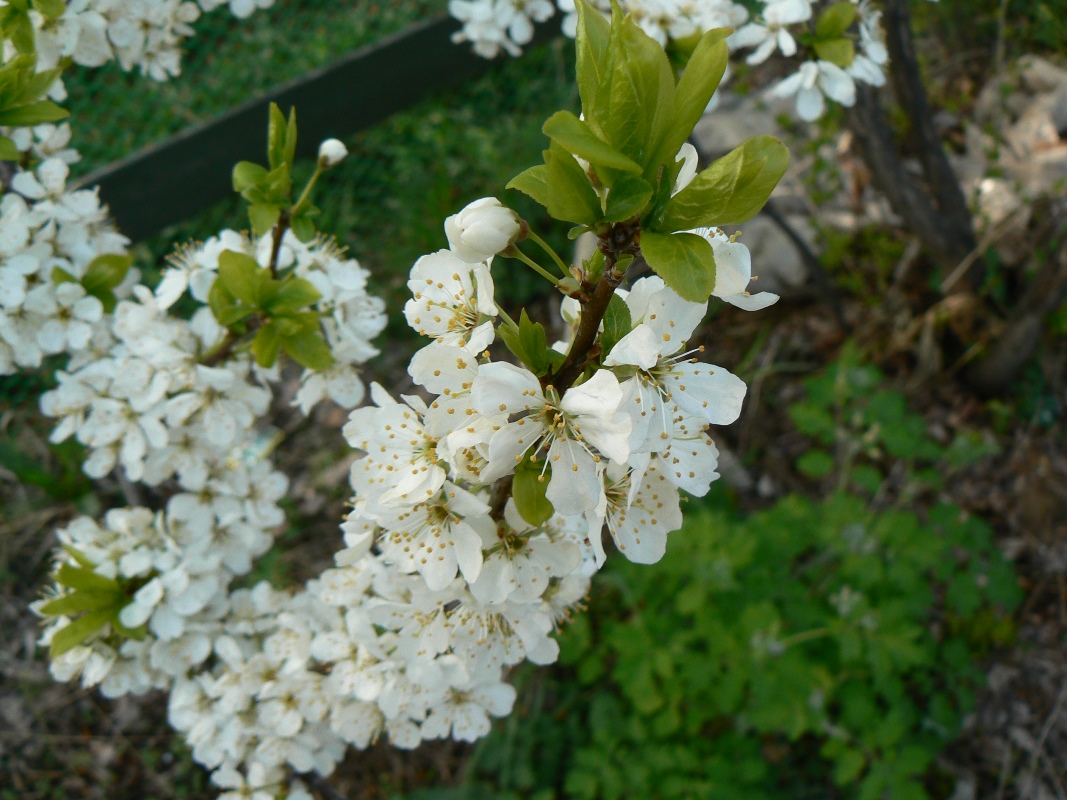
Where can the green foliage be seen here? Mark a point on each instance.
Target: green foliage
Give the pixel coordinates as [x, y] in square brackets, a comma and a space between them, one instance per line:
[248, 299]
[617, 164]
[529, 343]
[529, 489]
[22, 88]
[617, 323]
[685, 261]
[730, 191]
[92, 601]
[861, 429]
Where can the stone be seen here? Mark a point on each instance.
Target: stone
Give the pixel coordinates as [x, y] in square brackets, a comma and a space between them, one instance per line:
[1037, 75]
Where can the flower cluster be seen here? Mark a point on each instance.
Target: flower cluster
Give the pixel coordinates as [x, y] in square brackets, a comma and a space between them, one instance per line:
[146, 35]
[50, 239]
[482, 506]
[831, 62]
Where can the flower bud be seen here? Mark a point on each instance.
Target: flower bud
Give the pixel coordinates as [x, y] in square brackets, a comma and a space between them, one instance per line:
[483, 229]
[331, 153]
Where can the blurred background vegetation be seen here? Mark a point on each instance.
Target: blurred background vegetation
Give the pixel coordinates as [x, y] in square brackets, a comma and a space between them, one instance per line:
[853, 611]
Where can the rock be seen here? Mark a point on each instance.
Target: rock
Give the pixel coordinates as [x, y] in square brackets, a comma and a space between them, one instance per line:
[1035, 130]
[1038, 75]
[775, 259]
[1057, 107]
[1002, 213]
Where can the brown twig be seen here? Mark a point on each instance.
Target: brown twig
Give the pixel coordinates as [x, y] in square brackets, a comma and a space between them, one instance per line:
[620, 240]
[911, 92]
[280, 227]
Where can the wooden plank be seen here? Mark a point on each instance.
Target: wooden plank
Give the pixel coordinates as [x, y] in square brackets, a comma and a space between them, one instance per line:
[172, 181]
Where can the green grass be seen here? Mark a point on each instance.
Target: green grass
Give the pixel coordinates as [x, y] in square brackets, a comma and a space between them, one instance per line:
[228, 62]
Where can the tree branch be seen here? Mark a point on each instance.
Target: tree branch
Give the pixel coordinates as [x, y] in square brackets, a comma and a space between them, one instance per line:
[1009, 352]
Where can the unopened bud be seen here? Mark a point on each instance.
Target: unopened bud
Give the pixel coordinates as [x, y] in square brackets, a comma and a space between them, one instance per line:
[483, 229]
[331, 153]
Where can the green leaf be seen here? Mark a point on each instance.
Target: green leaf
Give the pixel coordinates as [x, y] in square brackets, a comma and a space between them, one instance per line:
[82, 578]
[570, 195]
[79, 631]
[575, 137]
[289, 153]
[276, 128]
[247, 175]
[60, 275]
[731, 190]
[848, 766]
[239, 274]
[816, 464]
[294, 294]
[640, 93]
[50, 9]
[528, 489]
[303, 227]
[617, 323]
[835, 20]
[80, 557]
[534, 343]
[78, 602]
[694, 91]
[593, 56]
[627, 198]
[685, 261]
[106, 272]
[266, 345]
[837, 51]
[8, 151]
[308, 349]
[533, 182]
[263, 217]
[33, 114]
[20, 31]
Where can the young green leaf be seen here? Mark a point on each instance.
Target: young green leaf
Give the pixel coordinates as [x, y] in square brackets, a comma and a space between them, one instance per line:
[593, 58]
[685, 261]
[106, 272]
[239, 273]
[308, 349]
[8, 150]
[39, 113]
[835, 20]
[640, 94]
[78, 602]
[570, 195]
[82, 578]
[294, 294]
[78, 631]
[303, 227]
[732, 190]
[576, 137]
[263, 217]
[694, 91]
[246, 175]
[266, 345]
[617, 323]
[276, 129]
[628, 197]
[50, 9]
[528, 489]
[837, 51]
[533, 182]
